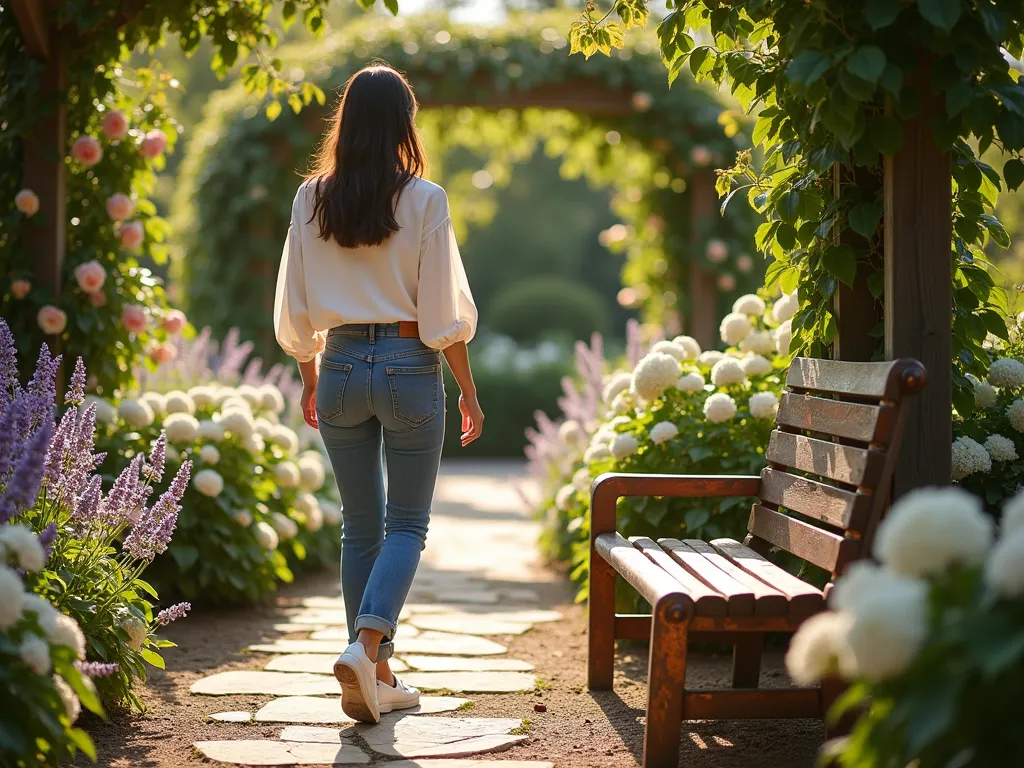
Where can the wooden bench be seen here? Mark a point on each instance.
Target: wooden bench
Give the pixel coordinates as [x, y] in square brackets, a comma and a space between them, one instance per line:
[826, 486]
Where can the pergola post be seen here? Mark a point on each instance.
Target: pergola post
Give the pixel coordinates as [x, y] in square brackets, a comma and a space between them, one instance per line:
[918, 289]
[702, 319]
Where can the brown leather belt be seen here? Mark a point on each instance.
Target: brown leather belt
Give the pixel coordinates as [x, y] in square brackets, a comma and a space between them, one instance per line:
[408, 329]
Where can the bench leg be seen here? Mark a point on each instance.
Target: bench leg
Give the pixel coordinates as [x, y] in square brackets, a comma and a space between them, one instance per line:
[746, 660]
[601, 634]
[666, 681]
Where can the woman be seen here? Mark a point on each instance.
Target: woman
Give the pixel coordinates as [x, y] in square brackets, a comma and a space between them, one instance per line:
[372, 280]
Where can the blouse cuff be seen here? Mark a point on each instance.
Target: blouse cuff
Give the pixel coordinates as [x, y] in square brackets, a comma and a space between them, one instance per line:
[460, 330]
[304, 355]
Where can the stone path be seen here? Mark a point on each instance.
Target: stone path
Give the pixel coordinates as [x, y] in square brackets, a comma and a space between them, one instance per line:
[472, 591]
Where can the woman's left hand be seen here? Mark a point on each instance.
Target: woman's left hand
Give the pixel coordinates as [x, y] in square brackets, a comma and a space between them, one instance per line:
[308, 402]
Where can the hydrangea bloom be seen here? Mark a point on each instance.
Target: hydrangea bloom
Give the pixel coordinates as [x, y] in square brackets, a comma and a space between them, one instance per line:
[596, 452]
[887, 631]
[181, 428]
[621, 404]
[314, 519]
[749, 304]
[623, 445]
[311, 472]
[672, 349]
[72, 706]
[243, 517]
[209, 482]
[690, 382]
[785, 307]
[817, 646]
[564, 496]
[727, 371]
[12, 596]
[209, 454]
[211, 430]
[177, 401]
[271, 398]
[35, 653]
[763, 405]
[238, 423]
[1006, 373]
[784, 337]
[1001, 448]
[155, 401]
[104, 412]
[135, 413]
[709, 358]
[63, 630]
[581, 480]
[1004, 569]
[19, 543]
[1015, 412]
[286, 527]
[735, 328]
[654, 374]
[286, 438]
[719, 407]
[756, 365]
[616, 383]
[287, 474]
[202, 396]
[663, 431]
[690, 347]
[985, 395]
[969, 457]
[759, 342]
[571, 432]
[1013, 514]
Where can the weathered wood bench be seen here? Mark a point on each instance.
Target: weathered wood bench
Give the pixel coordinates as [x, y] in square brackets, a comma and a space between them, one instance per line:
[826, 486]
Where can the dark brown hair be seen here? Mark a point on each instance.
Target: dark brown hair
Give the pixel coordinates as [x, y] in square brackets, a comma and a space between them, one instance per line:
[367, 157]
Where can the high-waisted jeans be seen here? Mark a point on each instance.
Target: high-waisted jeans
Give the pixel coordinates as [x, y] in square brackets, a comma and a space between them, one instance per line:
[376, 388]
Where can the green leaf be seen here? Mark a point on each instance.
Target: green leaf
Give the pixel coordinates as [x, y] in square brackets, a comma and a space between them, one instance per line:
[788, 205]
[1013, 173]
[940, 13]
[695, 518]
[272, 110]
[841, 262]
[864, 219]
[867, 63]
[807, 67]
[153, 658]
[881, 13]
[82, 741]
[184, 555]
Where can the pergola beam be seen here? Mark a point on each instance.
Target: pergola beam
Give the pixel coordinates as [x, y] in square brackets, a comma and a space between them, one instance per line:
[31, 18]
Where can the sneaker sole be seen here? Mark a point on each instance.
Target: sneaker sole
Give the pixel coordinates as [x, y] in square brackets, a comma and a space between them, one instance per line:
[353, 698]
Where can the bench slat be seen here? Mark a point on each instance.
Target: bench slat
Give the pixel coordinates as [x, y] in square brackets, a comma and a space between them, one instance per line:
[804, 599]
[854, 421]
[823, 548]
[835, 506]
[844, 378]
[768, 601]
[739, 597]
[844, 463]
[773, 704]
[707, 602]
[644, 576]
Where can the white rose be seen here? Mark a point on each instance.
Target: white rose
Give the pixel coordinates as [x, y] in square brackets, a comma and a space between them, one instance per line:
[209, 454]
[311, 472]
[136, 629]
[1006, 373]
[12, 597]
[1016, 414]
[617, 382]
[719, 407]
[785, 307]
[181, 427]
[969, 457]
[156, 402]
[581, 480]
[784, 337]
[23, 543]
[179, 402]
[35, 653]
[1001, 448]
[314, 519]
[238, 423]
[709, 358]
[654, 374]
[72, 706]
[208, 482]
[727, 371]
[243, 517]
[332, 514]
[663, 431]
[816, 648]
[105, 412]
[749, 304]
[211, 430]
[689, 345]
[1004, 569]
[202, 396]
[672, 349]
[888, 630]
[63, 630]
[690, 382]
[564, 497]
[735, 328]
[271, 398]
[286, 527]
[250, 394]
[287, 474]
[930, 529]
[136, 413]
[1013, 515]
[624, 445]
[254, 444]
[571, 432]
[763, 405]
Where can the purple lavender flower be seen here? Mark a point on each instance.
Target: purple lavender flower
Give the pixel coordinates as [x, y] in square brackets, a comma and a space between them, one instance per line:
[154, 470]
[88, 504]
[116, 508]
[10, 429]
[76, 391]
[8, 365]
[57, 452]
[46, 539]
[173, 613]
[152, 532]
[23, 486]
[97, 668]
[42, 388]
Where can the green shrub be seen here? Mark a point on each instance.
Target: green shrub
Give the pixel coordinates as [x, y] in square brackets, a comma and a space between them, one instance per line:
[545, 305]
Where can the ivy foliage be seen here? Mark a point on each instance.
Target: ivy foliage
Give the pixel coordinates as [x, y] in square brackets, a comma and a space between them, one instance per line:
[831, 82]
[243, 168]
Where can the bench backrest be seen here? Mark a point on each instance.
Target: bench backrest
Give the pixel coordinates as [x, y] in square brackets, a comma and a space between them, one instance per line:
[831, 458]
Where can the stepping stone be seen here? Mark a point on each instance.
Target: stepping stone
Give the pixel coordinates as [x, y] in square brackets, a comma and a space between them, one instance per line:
[436, 643]
[457, 664]
[266, 752]
[251, 682]
[472, 682]
[420, 736]
[315, 663]
[232, 717]
[296, 627]
[456, 595]
[474, 612]
[341, 634]
[520, 595]
[468, 764]
[323, 601]
[310, 709]
[467, 623]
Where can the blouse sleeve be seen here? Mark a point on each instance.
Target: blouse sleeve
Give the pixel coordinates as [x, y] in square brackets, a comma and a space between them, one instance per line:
[295, 332]
[446, 311]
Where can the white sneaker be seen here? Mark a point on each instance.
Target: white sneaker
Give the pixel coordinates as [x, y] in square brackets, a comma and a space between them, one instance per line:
[397, 696]
[358, 676]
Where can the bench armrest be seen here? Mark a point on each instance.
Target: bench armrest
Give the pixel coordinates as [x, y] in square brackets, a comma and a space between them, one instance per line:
[610, 487]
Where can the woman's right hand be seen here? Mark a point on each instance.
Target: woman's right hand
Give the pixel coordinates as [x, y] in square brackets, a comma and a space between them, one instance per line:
[472, 418]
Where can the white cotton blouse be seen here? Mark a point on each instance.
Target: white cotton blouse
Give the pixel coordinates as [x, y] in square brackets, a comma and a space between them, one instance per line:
[415, 275]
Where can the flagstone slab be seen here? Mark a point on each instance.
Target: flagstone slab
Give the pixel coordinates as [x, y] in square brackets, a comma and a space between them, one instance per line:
[266, 752]
[472, 682]
[460, 664]
[520, 595]
[315, 663]
[297, 627]
[248, 681]
[455, 595]
[436, 643]
[232, 717]
[456, 763]
[341, 633]
[311, 709]
[468, 624]
[323, 601]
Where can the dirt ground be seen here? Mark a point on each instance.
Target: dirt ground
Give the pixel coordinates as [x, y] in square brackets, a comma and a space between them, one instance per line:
[577, 728]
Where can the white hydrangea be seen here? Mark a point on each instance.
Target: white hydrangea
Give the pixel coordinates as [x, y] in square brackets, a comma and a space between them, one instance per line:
[287, 474]
[969, 457]
[749, 304]
[21, 542]
[314, 519]
[271, 398]
[985, 395]
[784, 337]
[12, 597]
[209, 454]
[816, 648]
[887, 631]
[63, 630]
[709, 358]
[785, 307]
[1006, 373]
[663, 431]
[38, 606]
[177, 401]
[1004, 569]
[672, 349]
[286, 527]
[208, 482]
[250, 394]
[1013, 515]
[286, 438]
[262, 427]
[690, 382]
[1001, 448]
[756, 365]
[571, 432]
[181, 427]
[759, 342]
[727, 371]
[135, 413]
[305, 501]
[719, 407]
[156, 402]
[930, 529]
[1016, 414]
[136, 629]
[735, 328]
[238, 423]
[623, 445]
[581, 480]
[72, 706]
[621, 403]
[211, 430]
[332, 514]
[203, 396]
[596, 452]
[236, 403]
[35, 653]
[860, 583]
[763, 405]
[654, 374]
[690, 347]
[221, 394]
[266, 536]
[564, 497]
[311, 472]
[243, 517]
[105, 412]
[616, 383]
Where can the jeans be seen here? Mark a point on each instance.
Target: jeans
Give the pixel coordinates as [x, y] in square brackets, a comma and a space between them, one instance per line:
[376, 388]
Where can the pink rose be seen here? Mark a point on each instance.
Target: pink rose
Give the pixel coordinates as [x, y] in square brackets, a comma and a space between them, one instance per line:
[119, 207]
[133, 318]
[717, 251]
[132, 234]
[98, 299]
[726, 282]
[115, 124]
[20, 288]
[87, 150]
[90, 276]
[174, 320]
[52, 319]
[744, 263]
[163, 353]
[154, 144]
[27, 202]
[700, 155]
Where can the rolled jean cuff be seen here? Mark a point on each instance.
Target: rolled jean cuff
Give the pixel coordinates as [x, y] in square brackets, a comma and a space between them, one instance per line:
[385, 627]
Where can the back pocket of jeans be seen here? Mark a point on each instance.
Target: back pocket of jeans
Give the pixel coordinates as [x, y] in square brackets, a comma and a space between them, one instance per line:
[330, 388]
[414, 393]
